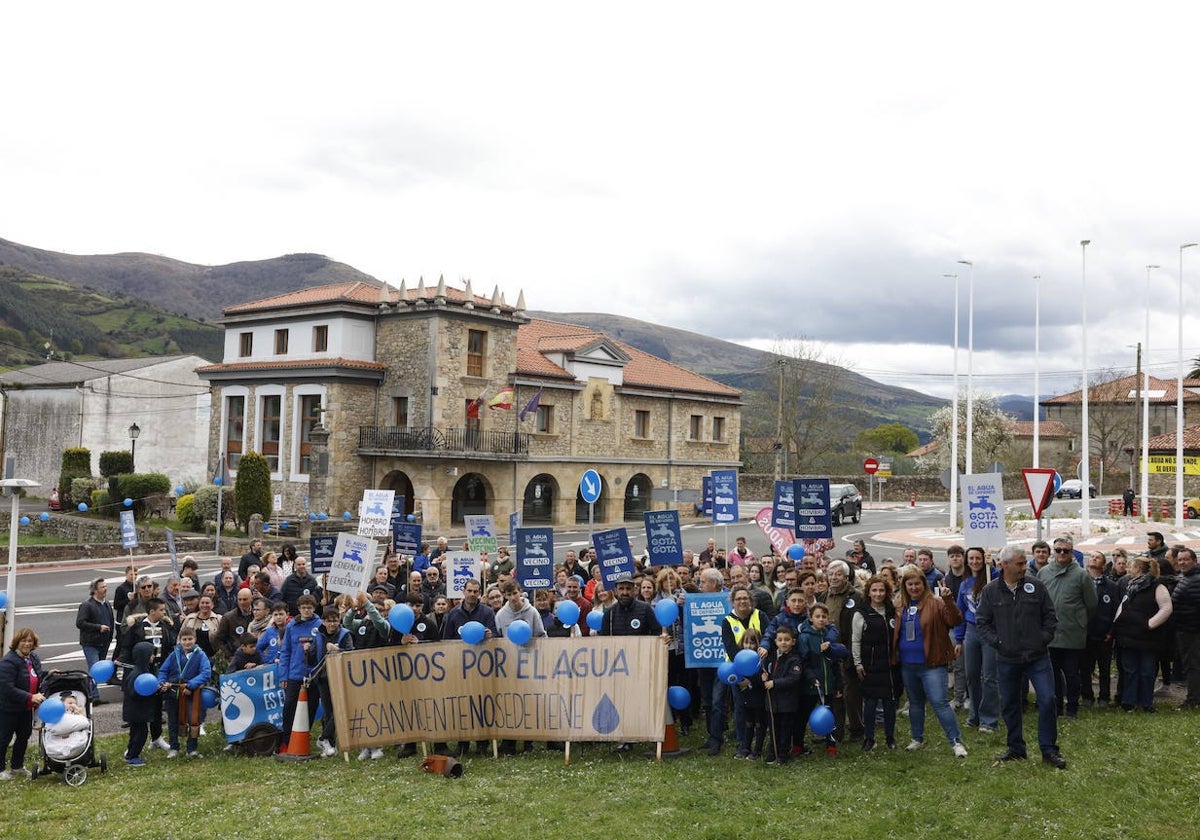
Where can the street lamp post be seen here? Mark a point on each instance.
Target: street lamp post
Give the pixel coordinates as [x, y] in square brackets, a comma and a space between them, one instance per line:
[1085, 495]
[1179, 402]
[10, 610]
[1037, 370]
[970, 363]
[1142, 469]
[954, 417]
[134, 431]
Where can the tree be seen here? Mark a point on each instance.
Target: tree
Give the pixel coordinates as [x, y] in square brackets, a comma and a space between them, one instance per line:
[992, 432]
[1113, 418]
[253, 486]
[76, 463]
[887, 439]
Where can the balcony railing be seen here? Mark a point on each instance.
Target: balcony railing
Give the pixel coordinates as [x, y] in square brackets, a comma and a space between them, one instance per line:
[433, 439]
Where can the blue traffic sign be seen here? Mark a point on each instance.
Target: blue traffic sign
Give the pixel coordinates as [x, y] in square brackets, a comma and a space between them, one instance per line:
[589, 486]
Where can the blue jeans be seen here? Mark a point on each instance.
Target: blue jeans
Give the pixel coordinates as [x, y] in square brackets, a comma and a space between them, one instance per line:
[921, 684]
[980, 661]
[1139, 668]
[1040, 675]
[92, 655]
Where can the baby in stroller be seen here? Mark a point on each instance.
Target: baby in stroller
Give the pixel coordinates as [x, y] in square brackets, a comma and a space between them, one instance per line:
[69, 737]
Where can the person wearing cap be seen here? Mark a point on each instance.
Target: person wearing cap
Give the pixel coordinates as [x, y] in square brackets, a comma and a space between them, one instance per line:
[629, 617]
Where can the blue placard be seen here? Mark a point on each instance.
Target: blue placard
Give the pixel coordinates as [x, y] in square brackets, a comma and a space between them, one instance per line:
[514, 522]
[783, 509]
[534, 558]
[663, 539]
[406, 537]
[706, 491]
[614, 555]
[248, 698]
[725, 497]
[589, 486]
[398, 504]
[320, 553]
[702, 616]
[128, 530]
[813, 521]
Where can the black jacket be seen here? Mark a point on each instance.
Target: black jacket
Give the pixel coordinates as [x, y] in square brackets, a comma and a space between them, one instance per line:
[1019, 625]
[14, 681]
[1108, 596]
[1185, 601]
[93, 615]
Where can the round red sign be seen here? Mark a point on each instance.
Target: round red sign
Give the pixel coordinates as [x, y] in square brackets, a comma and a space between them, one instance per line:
[871, 466]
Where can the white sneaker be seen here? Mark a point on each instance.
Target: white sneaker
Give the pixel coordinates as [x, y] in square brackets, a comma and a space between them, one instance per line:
[327, 749]
[202, 731]
[364, 754]
[960, 751]
[161, 743]
[172, 753]
[21, 771]
[986, 730]
[377, 753]
[6, 776]
[193, 754]
[914, 744]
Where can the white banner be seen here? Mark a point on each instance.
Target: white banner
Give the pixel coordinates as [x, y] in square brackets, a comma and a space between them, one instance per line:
[462, 566]
[375, 513]
[353, 562]
[983, 510]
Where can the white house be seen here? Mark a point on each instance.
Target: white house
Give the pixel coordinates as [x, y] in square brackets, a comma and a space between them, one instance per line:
[50, 407]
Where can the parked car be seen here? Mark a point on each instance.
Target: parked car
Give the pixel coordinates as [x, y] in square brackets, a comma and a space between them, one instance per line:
[845, 502]
[1072, 488]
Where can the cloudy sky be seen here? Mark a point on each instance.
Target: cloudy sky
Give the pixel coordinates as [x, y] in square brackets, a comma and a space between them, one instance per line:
[756, 171]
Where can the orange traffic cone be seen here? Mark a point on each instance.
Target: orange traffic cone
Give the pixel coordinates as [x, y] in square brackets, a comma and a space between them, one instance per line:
[298, 746]
[669, 747]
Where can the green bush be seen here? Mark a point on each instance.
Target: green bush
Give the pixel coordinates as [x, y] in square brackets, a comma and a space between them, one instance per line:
[253, 487]
[101, 503]
[76, 463]
[139, 487]
[185, 512]
[81, 490]
[116, 463]
[204, 505]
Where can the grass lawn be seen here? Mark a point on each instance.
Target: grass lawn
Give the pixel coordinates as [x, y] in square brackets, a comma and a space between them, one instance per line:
[1129, 776]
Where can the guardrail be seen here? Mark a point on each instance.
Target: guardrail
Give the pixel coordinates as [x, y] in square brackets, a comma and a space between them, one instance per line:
[434, 439]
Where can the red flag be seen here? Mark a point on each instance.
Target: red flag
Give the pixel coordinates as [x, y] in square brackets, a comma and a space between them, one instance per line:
[503, 399]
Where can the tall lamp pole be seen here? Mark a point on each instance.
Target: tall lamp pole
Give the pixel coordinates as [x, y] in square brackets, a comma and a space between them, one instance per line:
[13, 485]
[1037, 370]
[1179, 402]
[1142, 468]
[970, 362]
[954, 417]
[134, 431]
[1085, 495]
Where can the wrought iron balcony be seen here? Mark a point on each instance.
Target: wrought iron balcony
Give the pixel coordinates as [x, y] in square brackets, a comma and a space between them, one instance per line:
[387, 440]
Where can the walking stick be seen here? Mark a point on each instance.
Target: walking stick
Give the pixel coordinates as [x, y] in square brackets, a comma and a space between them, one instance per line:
[771, 714]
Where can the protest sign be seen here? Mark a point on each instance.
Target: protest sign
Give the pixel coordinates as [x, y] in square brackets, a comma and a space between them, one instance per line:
[616, 558]
[663, 539]
[481, 533]
[702, 616]
[535, 558]
[375, 513]
[461, 566]
[248, 698]
[352, 563]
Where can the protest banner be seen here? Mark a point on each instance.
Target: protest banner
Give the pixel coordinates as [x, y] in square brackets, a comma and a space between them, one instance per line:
[663, 539]
[598, 689]
[616, 557]
[481, 533]
[983, 504]
[352, 563]
[320, 553]
[783, 508]
[702, 616]
[248, 698]
[375, 513]
[535, 558]
[406, 537]
[461, 566]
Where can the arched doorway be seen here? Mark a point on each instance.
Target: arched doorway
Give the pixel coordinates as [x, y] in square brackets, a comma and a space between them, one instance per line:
[540, 495]
[637, 497]
[581, 507]
[402, 485]
[471, 497]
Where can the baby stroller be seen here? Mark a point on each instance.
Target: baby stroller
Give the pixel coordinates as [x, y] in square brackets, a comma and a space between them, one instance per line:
[66, 746]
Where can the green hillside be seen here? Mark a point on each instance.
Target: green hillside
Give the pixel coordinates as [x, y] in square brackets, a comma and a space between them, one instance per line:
[41, 315]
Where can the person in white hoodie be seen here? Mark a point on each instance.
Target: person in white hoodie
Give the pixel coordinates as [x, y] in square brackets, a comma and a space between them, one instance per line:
[516, 606]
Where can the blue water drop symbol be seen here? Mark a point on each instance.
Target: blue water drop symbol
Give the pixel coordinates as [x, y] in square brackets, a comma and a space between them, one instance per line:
[605, 718]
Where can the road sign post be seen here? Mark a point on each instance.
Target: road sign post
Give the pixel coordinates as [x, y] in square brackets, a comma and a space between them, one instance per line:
[1039, 485]
[870, 467]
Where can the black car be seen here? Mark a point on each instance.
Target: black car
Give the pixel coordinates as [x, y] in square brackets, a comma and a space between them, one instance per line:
[845, 502]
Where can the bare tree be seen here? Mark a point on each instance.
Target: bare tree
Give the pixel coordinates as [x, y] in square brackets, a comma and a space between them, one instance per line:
[1113, 414]
[992, 430]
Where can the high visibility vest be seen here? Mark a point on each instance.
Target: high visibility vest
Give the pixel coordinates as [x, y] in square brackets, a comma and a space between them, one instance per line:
[739, 629]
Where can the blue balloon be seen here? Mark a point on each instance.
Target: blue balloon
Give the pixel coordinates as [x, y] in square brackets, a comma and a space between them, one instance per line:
[45, 517]
[146, 685]
[595, 619]
[283, 524]
[746, 663]
[346, 516]
[568, 613]
[472, 632]
[411, 518]
[322, 516]
[217, 480]
[401, 617]
[102, 671]
[666, 611]
[209, 697]
[727, 675]
[128, 502]
[795, 551]
[312, 517]
[821, 721]
[679, 697]
[83, 507]
[3, 599]
[179, 490]
[24, 520]
[52, 710]
[518, 632]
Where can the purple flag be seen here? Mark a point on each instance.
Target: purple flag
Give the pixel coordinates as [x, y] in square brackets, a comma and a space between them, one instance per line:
[530, 406]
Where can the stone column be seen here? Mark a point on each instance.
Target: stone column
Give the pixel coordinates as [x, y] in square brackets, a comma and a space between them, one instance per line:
[318, 475]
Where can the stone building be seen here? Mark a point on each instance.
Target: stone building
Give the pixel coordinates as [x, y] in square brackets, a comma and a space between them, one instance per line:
[353, 386]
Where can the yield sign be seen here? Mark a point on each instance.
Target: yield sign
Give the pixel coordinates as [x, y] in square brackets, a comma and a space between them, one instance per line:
[1039, 484]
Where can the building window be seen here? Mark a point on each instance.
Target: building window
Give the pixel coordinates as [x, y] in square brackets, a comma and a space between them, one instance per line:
[246, 344]
[310, 418]
[641, 424]
[696, 427]
[543, 421]
[235, 419]
[400, 411]
[269, 429]
[718, 428]
[320, 338]
[476, 352]
[281, 342]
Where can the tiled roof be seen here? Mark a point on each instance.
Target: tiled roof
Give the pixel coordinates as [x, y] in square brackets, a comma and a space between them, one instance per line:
[1047, 428]
[922, 451]
[70, 373]
[355, 364]
[642, 370]
[358, 292]
[1127, 389]
[1166, 441]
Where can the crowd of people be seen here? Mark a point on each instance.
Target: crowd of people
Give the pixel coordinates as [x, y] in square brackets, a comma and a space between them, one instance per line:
[852, 634]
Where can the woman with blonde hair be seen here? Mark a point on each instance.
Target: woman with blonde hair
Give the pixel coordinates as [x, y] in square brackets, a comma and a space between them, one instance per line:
[1138, 629]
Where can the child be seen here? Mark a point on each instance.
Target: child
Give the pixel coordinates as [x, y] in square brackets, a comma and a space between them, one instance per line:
[752, 699]
[269, 642]
[793, 613]
[331, 635]
[247, 655]
[821, 652]
[69, 735]
[181, 677]
[782, 678]
[139, 711]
